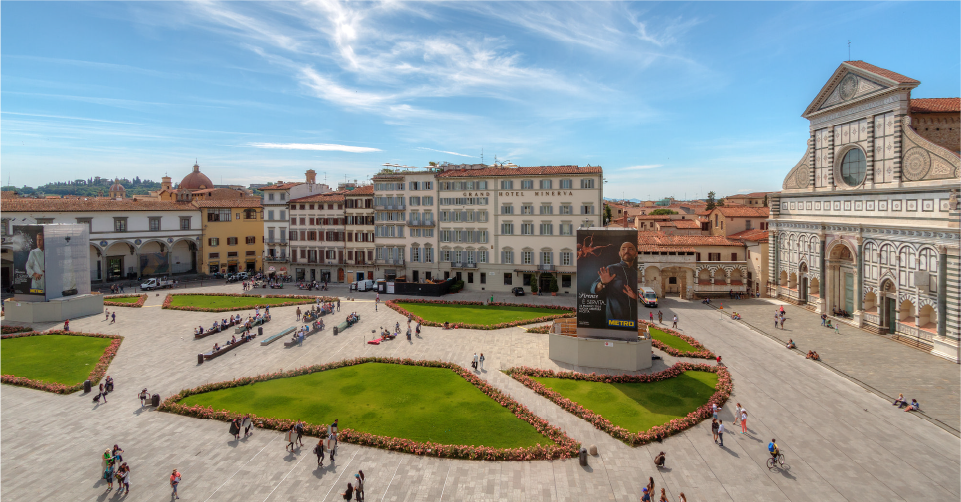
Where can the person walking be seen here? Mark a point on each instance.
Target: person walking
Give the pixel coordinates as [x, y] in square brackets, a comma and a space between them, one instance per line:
[358, 487]
[743, 421]
[332, 446]
[123, 478]
[683, 497]
[714, 427]
[473, 363]
[720, 432]
[349, 494]
[299, 427]
[175, 482]
[645, 495]
[775, 320]
[298, 314]
[66, 325]
[362, 480]
[144, 397]
[660, 317]
[107, 314]
[338, 305]
[782, 322]
[663, 496]
[417, 330]
[319, 451]
[675, 322]
[108, 474]
[650, 485]
[651, 315]
[113, 317]
[737, 414]
[103, 393]
[408, 333]
[291, 438]
[481, 361]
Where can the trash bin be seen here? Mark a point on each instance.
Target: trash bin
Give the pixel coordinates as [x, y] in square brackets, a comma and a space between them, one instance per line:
[583, 456]
[200, 358]
[86, 386]
[260, 331]
[335, 330]
[155, 400]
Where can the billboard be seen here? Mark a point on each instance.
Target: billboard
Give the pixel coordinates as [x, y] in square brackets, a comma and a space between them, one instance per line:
[51, 261]
[607, 283]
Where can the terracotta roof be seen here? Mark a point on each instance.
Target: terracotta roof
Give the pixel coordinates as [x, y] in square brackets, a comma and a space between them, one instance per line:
[231, 203]
[282, 186]
[664, 217]
[935, 105]
[681, 224]
[753, 235]
[195, 180]
[363, 190]
[744, 211]
[93, 204]
[322, 197]
[519, 171]
[8, 194]
[659, 241]
[897, 77]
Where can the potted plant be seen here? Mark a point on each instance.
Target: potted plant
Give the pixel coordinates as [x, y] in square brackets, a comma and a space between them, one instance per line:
[554, 287]
[534, 284]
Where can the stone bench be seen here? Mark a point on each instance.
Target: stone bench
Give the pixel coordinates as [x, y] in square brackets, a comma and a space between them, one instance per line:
[223, 350]
[271, 339]
[253, 324]
[213, 331]
[342, 326]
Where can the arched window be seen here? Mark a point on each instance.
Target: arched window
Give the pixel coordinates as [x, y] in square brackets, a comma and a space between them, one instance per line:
[853, 167]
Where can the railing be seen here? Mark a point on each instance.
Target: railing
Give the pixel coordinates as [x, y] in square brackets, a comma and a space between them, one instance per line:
[275, 258]
[872, 318]
[545, 268]
[718, 288]
[669, 258]
[461, 264]
[420, 223]
[914, 331]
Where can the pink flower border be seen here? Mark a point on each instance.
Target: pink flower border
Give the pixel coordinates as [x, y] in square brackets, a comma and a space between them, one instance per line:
[7, 330]
[139, 303]
[393, 304]
[724, 387]
[95, 375]
[297, 300]
[565, 446]
[703, 353]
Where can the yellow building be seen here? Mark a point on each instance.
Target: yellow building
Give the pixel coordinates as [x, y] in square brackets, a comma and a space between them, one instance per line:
[233, 231]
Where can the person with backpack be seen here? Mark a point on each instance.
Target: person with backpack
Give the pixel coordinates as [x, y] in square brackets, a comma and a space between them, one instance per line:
[108, 474]
[299, 427]
[358, 487]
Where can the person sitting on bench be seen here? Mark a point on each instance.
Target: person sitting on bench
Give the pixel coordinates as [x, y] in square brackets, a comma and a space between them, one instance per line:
[216, 347]
[233, 339]
[914, 406]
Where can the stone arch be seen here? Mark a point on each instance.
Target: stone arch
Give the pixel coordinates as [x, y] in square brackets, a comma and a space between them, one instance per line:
[792, 281]
[783, 279]
[119, 260]
[183, 256]
[928, 317]
[814, 288]
[651, 278]
[704, 277]
[906, 312]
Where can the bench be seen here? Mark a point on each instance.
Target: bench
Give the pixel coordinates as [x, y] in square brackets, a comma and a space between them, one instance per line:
[223, 350]
[253, 324]
[271, 339]
[212, 331]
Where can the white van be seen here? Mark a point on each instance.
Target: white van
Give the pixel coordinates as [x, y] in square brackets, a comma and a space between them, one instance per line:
[365, 285]
[648, 296]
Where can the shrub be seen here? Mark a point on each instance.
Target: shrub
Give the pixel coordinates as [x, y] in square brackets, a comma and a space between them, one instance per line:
[534, 283]
[456, 287]
[295, 300]
[6, 330]
[702, 353]
[139, 303]
[554, 287]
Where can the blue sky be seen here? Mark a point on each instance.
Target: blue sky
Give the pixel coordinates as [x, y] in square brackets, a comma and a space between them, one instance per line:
[670, 98]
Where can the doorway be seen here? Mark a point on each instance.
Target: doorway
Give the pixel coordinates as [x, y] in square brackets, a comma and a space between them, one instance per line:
[804, 289]
[889, 314]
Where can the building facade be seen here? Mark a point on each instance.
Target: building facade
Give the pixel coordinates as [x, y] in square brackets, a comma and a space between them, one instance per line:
[689, 266]
[317, 237]
[359, 228]
[232, 235]
[275, 202]
[868, 219]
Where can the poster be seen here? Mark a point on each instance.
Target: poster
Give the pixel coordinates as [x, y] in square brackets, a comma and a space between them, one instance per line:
[607, 280]
[29, 265]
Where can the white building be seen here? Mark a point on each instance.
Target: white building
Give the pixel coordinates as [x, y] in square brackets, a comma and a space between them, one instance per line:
[275, 200]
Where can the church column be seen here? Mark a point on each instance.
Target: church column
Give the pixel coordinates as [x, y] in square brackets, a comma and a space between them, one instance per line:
[776, 252]
[942, 291]
[897, 150]
[869, 155]
[859, 282]
[822, 284]
[830, 159]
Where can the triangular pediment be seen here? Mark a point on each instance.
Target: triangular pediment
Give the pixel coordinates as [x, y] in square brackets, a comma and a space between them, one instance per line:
[847, 85]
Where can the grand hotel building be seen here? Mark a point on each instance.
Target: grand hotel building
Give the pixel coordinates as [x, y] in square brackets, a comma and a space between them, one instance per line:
[868, 220]
[494, 227]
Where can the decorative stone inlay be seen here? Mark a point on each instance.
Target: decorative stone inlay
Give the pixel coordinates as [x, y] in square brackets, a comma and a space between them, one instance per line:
[917, 162]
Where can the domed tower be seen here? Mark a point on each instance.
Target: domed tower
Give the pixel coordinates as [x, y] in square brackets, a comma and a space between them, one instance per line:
[117, 191]
[196, 180]
[165, 183]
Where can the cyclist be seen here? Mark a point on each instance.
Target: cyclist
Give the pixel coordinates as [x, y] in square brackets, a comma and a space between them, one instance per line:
[773, 449]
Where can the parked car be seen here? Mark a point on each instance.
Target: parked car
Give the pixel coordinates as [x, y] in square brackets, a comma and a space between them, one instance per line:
[518, 291]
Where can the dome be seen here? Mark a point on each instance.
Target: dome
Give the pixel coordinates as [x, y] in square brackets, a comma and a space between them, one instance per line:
[117, 187]
[196, 180]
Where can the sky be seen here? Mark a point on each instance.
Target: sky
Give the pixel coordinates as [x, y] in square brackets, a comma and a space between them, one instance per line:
[671, 99]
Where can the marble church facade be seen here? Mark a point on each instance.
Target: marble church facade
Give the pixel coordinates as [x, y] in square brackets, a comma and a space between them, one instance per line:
[868, 221]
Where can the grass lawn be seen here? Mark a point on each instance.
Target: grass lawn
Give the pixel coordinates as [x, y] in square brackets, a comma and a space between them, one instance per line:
[639, 406]
[222, 302]
[125, 299]
[475, 314]
[52, 358]
[412, 402]
[672, 341]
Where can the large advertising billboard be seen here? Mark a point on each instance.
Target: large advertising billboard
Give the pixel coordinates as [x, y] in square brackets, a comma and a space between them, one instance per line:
[607, 283]
[51, 261]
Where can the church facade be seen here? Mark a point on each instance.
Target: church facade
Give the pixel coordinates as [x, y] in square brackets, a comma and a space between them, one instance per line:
[866, 228]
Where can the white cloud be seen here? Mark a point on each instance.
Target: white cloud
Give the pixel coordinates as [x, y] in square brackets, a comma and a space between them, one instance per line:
[637, 168]
[316, 146]
[444, 151]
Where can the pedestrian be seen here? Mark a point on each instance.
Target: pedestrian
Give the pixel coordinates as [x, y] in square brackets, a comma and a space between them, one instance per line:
[338, 302]
[837, 327]
[714, 407]
[107, 314]
[66, 325]
[144, 396]
[123, 478]
[333, 428]
[408, 333]
[377, 299]
[645, 495]
[417, 331]
[362, 480]
[663, 496]
[107, 458]
[714, 427]
[675, 321]
[743, 421]
[782, 322]
[481, 360]
[117, 453]
[683, 497]
[113, 317]
[247, 424]
[650, 486]
[175, 482]
[108, 474]
[651, 316]
[358, 487]
[332, 446]
[291, 438]
[298, 314]
[319, 451]
[720, 432]
[660, 317]
[473, 363]
[299, 427]
[103, 395]
[775, 321]
[824, 318]
[375, 305]
[349, 494]
[737, 413]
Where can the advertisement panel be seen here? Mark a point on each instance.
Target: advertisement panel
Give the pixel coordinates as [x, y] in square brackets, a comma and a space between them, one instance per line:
[67, 260]
[29, 267]
[607, 283]
[154, 264]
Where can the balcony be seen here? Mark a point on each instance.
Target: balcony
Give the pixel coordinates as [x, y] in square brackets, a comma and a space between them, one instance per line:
[457, 264]
[389, 261]
[545, 268]
[390, 207]
[420, 223]
[269, 258]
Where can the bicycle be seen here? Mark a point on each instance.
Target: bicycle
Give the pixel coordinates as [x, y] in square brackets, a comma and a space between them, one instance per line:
[778, 460]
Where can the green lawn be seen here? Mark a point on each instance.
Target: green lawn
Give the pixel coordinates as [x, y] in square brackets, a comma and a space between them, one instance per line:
[639, 406]
[475, 314]
[222, 302]
[52, 358]
[125, 299]
[412, 402]
[672, 341]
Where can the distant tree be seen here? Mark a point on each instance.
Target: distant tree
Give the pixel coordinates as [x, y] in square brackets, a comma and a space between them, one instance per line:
[720, 202]
[711, 201]
[534, 283]
[661, 211]
[765, 200]
[432, 164]
[607, 214]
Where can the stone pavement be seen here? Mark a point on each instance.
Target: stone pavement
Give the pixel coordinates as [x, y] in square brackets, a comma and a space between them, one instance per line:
[878, 361]
[841, 442]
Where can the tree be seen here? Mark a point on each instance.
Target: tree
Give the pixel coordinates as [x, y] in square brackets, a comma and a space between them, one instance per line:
[554, 287]
[534, 284]
[711, 201]
[432, 164]
[765, 200]
[607, 214]
[720, 202]
[661, 211]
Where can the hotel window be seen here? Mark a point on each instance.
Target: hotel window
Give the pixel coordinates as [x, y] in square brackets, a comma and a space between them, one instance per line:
[303, 221]
[428, 256]
[250, 214]
[567, 229]
[587, 183]
[527, 229]
[566, 184]
[283, 196]
[185, 222]
[547, 209]
[283, 214]
[733, 256]
[527, 184]
[747, 225]
[527, 209]
[547, 257]
[250, 253]
[231, 254]
[482, 256]
[567, 209]
[527, 257]
[546, 184]
[507, 184]
[154, 223]
[270, 196]
[251, 239]
[507, 209]
[567, 258]
[119, 224]
[587, 209]
[213, 241]
[714, 257]
[445, 255]
[414, 201]
[507, 229]
[231, 241]
[507, 257]
[547, 229]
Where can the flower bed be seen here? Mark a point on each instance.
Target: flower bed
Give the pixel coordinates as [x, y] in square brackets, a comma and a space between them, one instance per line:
[723, 392]
[702, 352]
[141, 299]
[540, 329]
[95, 375]
[295, 300]
[6, 330]
[565, 447]
[568, 312]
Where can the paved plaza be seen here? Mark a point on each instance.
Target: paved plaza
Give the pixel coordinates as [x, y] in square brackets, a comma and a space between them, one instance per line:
[841, 442]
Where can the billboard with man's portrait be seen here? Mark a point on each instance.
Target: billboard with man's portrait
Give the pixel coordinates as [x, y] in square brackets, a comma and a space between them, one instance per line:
[51, 261]
[29, 267]
[607, 282]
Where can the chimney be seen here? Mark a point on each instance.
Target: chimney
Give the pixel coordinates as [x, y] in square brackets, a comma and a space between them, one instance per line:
[311, 176]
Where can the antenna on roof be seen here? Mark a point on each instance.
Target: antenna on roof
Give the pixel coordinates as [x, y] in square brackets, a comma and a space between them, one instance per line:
[482, 155]
[849, 50]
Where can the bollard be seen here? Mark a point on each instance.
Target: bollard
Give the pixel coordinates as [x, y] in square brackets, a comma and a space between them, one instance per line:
[200, 358]
[260, 331]
[86, 386]
[155, 400]
[583, 456]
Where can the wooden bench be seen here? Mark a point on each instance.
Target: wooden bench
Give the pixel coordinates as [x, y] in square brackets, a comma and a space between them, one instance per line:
[223, 350]
[271, 339]
[213, 331]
